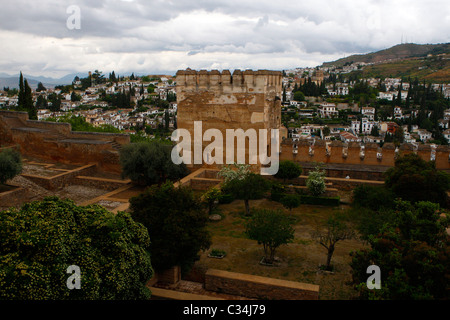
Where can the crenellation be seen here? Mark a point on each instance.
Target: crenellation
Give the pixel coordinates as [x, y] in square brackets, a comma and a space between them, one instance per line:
[247, 81]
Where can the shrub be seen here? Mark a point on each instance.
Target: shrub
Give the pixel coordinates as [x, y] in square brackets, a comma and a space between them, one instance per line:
[288, 170]
[316, 182]
[150, 163]
[10, 164]
[290, 201]
[373, 197]
[42, 239]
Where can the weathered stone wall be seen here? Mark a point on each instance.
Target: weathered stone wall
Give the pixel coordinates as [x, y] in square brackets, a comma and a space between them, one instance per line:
[352, 157]
[56, 142]
[258, 287]
[221, 100]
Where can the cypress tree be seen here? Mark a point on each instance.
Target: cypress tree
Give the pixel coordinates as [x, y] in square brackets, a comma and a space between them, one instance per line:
[21, 91]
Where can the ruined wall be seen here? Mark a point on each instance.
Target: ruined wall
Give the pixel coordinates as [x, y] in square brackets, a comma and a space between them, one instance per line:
[221, 100]
[351, 157]
[56, 142]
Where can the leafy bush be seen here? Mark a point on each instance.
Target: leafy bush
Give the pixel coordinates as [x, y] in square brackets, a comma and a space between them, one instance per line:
[316, 182]
[373, 197]
[288, 170]
[277, 192]
[42, 239]
[290, 201]
[10, 164]
[150, 163]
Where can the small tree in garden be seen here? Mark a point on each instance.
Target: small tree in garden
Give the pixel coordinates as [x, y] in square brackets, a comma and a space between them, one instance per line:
[210, 197]
[290, 201]
[271, 228]
[316, 182]
[288, 170]
[336, 229]
[10, 164]
[251, 187]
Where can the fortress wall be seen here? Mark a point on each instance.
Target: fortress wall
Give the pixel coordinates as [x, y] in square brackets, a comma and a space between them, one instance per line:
[54, 142]
[339, 153]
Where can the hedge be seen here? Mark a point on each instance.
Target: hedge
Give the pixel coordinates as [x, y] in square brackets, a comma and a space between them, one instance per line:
[324, 201]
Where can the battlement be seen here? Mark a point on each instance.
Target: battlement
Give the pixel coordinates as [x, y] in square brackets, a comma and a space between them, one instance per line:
[354, 153]
[248, 81]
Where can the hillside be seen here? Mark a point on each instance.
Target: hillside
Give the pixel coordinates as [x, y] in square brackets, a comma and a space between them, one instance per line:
[401, 51]
[433, 69]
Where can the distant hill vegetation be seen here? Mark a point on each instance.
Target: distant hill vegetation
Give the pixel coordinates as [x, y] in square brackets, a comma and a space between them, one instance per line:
[401, 51]
[426, 62]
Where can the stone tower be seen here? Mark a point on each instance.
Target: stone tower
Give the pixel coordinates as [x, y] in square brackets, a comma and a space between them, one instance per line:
[221, 100]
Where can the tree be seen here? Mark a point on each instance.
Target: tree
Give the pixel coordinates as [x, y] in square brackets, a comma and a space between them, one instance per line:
[40, 87]
[210, 198]
[288, 170]
[336, 229]
[412, 252]
[290, 201]
[414, 179]
[42, 239]
[28, 101]
[316, 182]
[270, 228]
[10, 164]
[21, 94]
[251, 187]
[234, 171]
[150, 163]
[299, 96]
[176, 223]
[75, 97]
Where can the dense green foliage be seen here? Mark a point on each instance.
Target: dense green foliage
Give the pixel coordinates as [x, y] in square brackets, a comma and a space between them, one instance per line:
[10, 164]
[251, 187]
[414, 179]
[373, 197]
[288, 170]
[42, 239]
[149, 163]
[412, 250]
[270, 228]
[290, 201]
[176, 223]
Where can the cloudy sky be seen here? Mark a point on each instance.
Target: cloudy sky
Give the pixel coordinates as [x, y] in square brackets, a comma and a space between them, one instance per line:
[162, 36]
